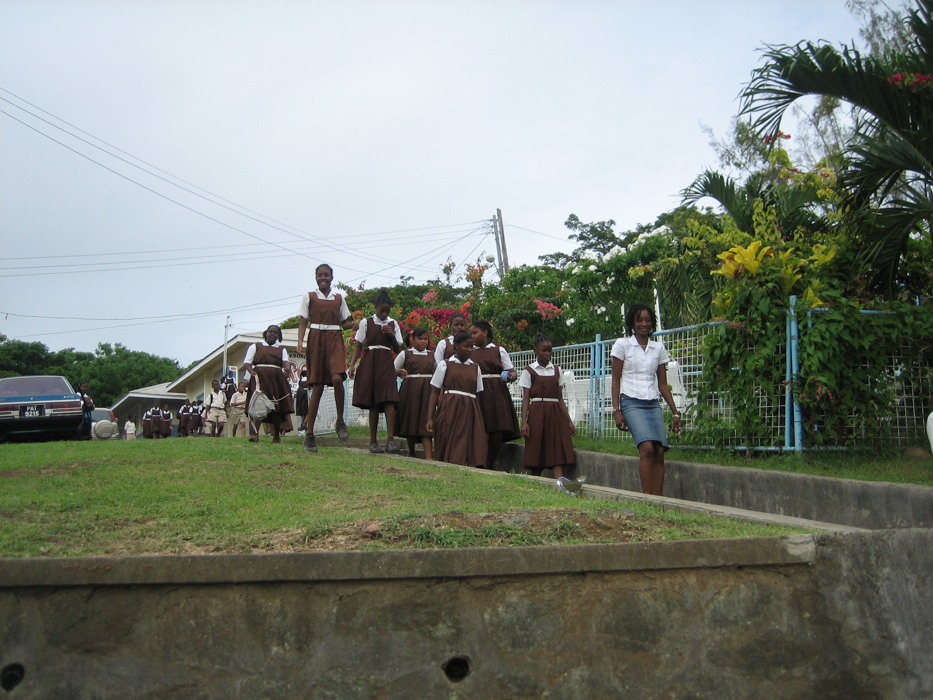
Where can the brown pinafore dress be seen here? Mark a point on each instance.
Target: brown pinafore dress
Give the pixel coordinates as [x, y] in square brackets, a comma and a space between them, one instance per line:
[325, 354]
[459, 434]
[495, 400]
[550, 443]
[414, 396]
[267, 364]
[376, 383]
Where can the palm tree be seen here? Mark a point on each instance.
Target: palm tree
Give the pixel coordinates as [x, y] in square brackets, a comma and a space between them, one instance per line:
[889, 171]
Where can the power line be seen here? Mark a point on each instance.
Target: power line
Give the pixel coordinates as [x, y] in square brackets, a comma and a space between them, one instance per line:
[275, 224]
[547, 235]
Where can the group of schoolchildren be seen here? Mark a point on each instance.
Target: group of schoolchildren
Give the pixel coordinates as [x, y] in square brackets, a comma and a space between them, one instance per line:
[454, 401]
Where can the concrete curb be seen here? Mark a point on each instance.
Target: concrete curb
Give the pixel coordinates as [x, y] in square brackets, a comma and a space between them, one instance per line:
[611, 494]
[406, 564]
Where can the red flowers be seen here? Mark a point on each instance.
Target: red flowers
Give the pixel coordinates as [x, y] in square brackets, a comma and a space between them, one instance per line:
[547, 310]
[912, 81]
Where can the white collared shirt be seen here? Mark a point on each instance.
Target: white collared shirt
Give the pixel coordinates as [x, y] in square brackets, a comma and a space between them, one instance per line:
[361, 333]
[251, 352]
[525, 380]
[306, 303]
[400, 358]
[640, 367]
[503, 357]
[441, 347]
[440, 372]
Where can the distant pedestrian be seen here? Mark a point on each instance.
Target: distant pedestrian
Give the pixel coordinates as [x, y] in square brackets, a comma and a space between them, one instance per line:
[216, 409]
[87, 410]
[129, 428]
[165, 427]
[238, 411]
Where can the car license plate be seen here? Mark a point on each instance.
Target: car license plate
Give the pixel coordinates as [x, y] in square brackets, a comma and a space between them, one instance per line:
[31, 411]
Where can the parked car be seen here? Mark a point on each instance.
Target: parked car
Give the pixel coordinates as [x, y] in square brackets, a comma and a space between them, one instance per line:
[104, 425]
[39, 407]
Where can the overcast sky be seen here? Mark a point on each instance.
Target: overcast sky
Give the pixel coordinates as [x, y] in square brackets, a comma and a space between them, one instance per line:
[377, 136]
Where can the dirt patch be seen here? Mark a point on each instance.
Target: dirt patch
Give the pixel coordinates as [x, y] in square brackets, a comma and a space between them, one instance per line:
[452, 529]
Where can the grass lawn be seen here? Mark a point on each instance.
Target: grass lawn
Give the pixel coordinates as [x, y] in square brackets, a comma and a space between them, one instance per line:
[202, 495]
[865, 465]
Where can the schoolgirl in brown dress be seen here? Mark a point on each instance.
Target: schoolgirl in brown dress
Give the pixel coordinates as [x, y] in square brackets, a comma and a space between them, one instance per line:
[325, 315]
[546, 422]
[183, 419]
[266, 363]
[147, 424]
[445, 348]
[375, 385]
[166, 422]
[156, 415]
[416, 367]
[495, 401]
[459, 434]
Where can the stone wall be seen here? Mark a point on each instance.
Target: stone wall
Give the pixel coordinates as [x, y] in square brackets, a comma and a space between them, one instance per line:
[828, 616]
[861, 504]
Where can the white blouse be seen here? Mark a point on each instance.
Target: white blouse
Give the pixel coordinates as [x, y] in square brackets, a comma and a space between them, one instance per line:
[303, 310]
[361, 333]
[400, 358]
[251, 352]
[525, 380]
[440, 372]
[640, 367]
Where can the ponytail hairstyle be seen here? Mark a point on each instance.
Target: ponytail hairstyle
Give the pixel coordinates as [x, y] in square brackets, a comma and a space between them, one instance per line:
[382, 298]
[461, 336]
[541, 338]
[417, 333]
[486, 327]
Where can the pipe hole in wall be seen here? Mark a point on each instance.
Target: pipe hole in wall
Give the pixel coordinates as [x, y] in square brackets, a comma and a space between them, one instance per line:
[456, 668]
[11, 676]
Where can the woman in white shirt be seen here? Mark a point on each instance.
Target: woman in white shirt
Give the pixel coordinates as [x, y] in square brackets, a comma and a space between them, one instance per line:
[639, 377]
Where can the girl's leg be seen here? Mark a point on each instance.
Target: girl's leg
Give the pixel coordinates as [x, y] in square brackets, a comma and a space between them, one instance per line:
[338, 397]
[276, 420]
[317, 391]
[428, 445]
[495, 442]
[411, 446]
[389, 409]
[373, 425]
[658, 471]
[649, 469]
[255, 436]
[558, 472]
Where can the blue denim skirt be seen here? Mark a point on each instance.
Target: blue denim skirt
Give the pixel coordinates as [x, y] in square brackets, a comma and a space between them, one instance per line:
[644, 420]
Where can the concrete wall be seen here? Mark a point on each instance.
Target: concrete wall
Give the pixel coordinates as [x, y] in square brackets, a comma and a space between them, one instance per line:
[862, 504]
[830, 616]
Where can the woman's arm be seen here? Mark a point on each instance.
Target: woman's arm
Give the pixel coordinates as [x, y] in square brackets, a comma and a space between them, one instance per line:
[617, 366]
[432, 406]
[668, 397]
[357, 349]
[526, 430]
[302, 326]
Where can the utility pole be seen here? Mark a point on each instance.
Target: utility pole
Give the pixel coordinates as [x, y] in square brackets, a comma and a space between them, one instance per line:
[504, 252]
[223, 372]
[495, 234]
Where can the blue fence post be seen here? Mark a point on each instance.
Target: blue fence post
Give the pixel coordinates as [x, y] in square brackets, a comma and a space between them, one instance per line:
[788, 377]
[596, 382]
[795, 372]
